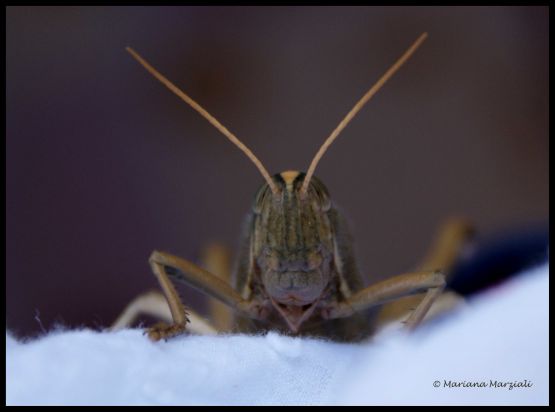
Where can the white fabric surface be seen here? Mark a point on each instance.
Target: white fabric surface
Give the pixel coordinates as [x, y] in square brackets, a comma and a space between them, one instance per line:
[500, 336]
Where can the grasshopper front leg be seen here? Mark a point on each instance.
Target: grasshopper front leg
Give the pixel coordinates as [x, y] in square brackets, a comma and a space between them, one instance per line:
[166, 266]
[431, 282]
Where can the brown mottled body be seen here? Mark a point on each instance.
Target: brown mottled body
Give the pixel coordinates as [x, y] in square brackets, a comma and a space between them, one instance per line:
[298, 258]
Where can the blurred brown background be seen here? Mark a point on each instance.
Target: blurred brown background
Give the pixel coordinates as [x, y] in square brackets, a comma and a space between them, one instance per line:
[104, 164]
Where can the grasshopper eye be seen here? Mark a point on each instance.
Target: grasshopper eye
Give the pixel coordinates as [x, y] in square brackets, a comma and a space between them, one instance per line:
[263, 197]
[319, 195]
[325, 203]
[318, 200]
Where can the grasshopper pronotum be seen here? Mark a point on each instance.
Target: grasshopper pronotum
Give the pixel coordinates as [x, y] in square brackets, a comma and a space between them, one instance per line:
[296, 271]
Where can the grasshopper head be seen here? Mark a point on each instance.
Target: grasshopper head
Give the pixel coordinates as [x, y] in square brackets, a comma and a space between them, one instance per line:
[293, 245]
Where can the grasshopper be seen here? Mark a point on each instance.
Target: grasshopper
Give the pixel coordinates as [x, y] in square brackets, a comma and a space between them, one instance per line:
[296, 270]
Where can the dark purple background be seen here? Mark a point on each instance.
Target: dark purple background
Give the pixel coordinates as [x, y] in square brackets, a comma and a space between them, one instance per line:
[104, 164]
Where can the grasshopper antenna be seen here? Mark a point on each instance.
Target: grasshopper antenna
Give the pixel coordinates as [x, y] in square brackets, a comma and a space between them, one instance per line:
[357, 108]
[208, 117]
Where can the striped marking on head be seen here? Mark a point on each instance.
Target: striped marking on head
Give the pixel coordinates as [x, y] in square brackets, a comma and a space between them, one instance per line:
[289, 177]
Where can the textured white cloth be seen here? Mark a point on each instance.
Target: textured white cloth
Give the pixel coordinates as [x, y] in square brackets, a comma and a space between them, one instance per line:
[500, 336]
